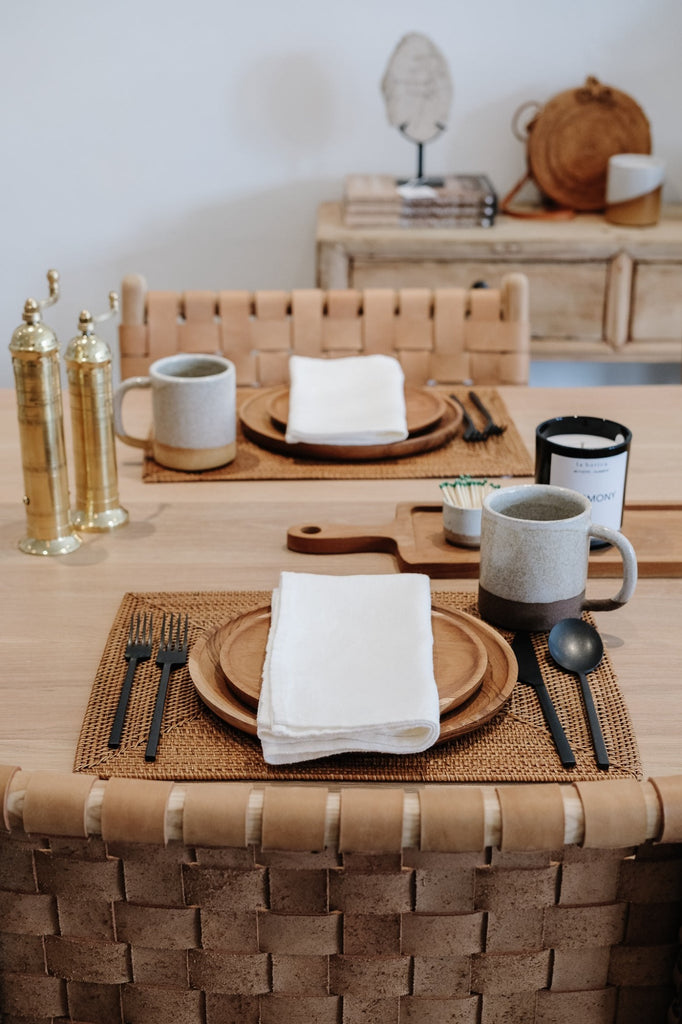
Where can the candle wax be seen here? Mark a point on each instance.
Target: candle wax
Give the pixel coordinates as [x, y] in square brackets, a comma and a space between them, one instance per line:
[585, 440]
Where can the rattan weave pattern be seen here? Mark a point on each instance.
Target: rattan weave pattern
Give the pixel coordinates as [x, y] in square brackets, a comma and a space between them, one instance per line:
[195, 744]
[498, 456]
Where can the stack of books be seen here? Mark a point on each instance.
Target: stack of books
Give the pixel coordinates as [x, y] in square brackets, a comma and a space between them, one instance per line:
[382, 201]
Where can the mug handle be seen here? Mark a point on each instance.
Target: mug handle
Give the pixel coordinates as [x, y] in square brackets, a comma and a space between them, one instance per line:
[627, 553]
[121, 390]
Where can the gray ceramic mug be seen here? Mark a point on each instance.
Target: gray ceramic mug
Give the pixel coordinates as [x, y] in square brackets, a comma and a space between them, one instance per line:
[194, 418]
[535, 542]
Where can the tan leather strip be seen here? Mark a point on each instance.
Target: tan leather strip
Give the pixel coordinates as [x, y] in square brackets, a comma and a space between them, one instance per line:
[271, 305]
[496, 336]
[201, 331]
[272, 368]
[378, 327]
[134, 366]
[234, 308]
[133, 298]
[343, 303]
[450, 369]
[306, 319]
[449, 306]
[452, 819]
[500, 368]
[199, 306]
[55, 803]
[416, 366]
[414, 326]
[513, 367]
[214, 813]
[271, 328]
[7, 773]
[162, 321]
[532, 817]
[134, 810]
[371, 820]
[615, 814]
[484, 304]
[294, 818]
[669, 791]
[342, 326]
[515, 299]
[132, 339]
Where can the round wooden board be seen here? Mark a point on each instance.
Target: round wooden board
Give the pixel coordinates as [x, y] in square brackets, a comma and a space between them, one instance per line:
[491, 692]
[459, 657]
[423, 407]
[572, 137]
[258, 426]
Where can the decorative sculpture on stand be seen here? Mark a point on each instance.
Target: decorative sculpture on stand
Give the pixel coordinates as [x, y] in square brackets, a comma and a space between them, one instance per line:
[417, 89]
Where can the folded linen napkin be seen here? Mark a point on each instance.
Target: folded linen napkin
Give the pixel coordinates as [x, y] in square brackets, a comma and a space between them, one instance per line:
[348, 667]
[354, 400]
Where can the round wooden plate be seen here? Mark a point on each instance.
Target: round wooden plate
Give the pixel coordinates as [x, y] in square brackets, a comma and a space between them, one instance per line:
[493, 691]
[423, 407]
[459, 657]
[258, 426]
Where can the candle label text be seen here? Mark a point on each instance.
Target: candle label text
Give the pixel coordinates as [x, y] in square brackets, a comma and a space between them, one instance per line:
[600, 480]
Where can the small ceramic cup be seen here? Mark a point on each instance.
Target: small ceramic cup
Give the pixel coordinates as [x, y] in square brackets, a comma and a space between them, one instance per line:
[194, 412]
[535, 542]
[462, 526]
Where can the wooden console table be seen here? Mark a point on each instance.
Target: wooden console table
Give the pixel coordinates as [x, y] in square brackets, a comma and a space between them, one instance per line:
[597, 291]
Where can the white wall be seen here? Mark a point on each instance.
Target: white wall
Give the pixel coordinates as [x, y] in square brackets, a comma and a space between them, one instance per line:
[193, 141]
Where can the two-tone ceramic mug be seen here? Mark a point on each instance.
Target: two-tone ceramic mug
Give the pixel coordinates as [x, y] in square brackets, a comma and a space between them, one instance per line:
[535, 543]
[194, 415]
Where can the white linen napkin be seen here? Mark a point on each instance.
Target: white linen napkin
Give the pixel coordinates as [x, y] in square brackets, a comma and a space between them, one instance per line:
[348, 667]
[353, 400]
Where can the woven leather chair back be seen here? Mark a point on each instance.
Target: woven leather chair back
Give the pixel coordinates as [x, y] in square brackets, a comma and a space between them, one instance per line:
[134, 900]
[441, 336]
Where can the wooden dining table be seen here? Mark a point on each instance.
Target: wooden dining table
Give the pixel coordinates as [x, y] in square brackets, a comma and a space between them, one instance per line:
[231, 535]
[259, 900]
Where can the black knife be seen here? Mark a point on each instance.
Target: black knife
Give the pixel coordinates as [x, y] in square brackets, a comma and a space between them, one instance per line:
[529, 672]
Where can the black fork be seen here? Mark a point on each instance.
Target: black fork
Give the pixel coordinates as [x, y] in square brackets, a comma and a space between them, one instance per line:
[491, 429]
[139, 648]
[471, 431]
[172, 653]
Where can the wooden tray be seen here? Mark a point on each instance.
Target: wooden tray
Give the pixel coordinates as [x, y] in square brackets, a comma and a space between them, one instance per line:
[487, 695]
[258, 426]
[417, 540]
[423, 406]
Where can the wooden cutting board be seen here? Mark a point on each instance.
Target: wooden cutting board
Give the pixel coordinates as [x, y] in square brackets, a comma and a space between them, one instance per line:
[416, 538]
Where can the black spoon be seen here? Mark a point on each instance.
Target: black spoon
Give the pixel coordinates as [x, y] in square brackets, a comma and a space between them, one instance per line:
[576, 646]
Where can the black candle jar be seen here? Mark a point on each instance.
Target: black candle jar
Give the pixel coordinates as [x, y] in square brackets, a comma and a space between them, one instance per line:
[586, 454]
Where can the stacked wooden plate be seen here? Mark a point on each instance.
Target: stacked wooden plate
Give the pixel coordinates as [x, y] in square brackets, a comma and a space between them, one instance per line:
[474, 666]
[432, 421]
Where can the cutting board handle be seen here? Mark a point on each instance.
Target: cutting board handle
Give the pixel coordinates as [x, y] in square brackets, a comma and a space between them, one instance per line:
[337, 539]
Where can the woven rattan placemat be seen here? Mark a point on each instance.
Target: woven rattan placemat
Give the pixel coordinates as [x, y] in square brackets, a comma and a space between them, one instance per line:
[195, 744]
[505, 455]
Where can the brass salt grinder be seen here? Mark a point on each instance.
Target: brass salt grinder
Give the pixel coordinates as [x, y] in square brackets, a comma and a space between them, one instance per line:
[35, 361]
[88, 368]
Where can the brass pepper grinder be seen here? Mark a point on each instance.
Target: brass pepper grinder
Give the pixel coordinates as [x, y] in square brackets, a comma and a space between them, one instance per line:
[35, 361]
[88, 367]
